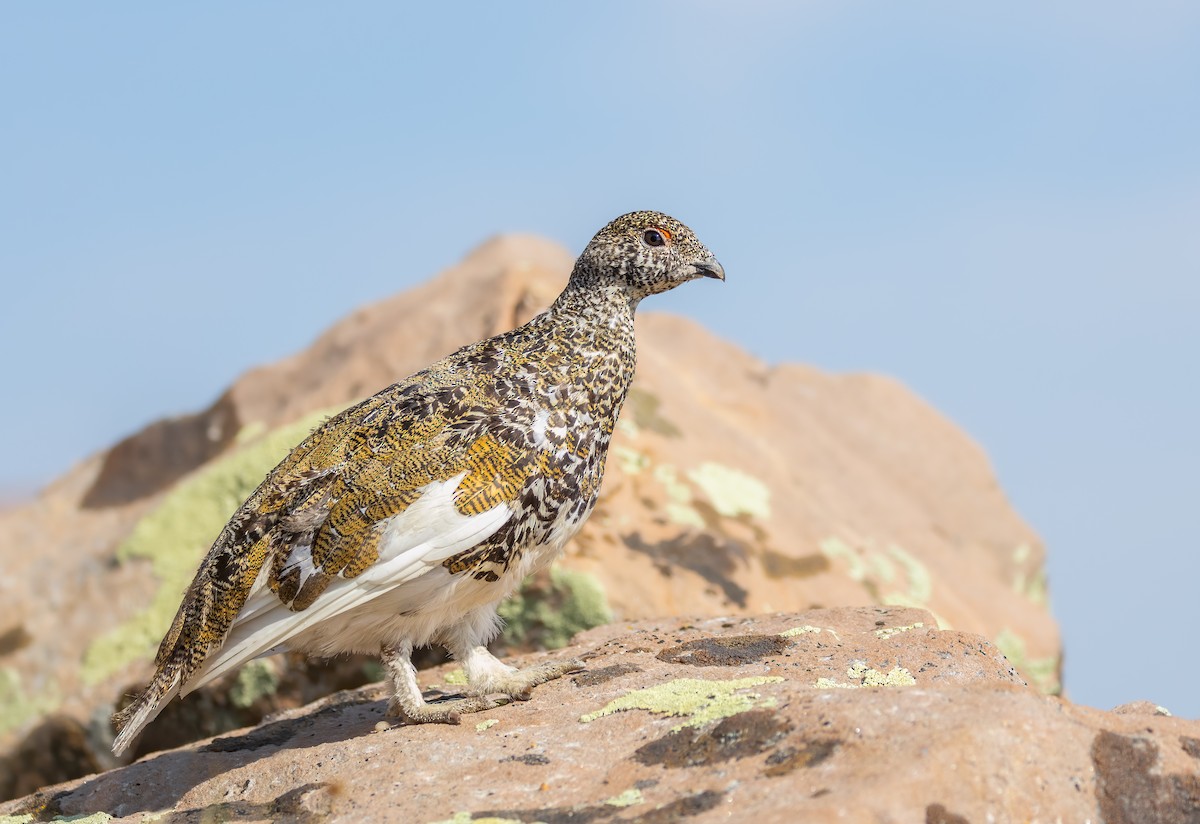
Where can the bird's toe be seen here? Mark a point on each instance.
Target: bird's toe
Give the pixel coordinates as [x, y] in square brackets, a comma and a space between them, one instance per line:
[443, 712]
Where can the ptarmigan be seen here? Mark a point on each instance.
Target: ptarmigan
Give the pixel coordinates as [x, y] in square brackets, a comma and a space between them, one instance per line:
[405, 519]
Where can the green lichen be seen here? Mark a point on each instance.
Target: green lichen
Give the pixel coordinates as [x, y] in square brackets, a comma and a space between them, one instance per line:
[90, 818]
[684, 515]
[254, 681]
[486, 725]
[892, 576]
[627, 427]
[890, 632]
[1036, 589]
[466, 818]
[895, 677]
[176, 535]
[880, 569]
[801, 630]
[696, 699]
[731, 491]
[629, 798]
[679, 507]
[643, 407]
[250, 432]
[373, 671]
[455, 678]
[17, 706]
[631, 461]
[1031, 586]
[835, 549]
[920, 582]
[807, 629]
[575, 602]
[862, 675]
[1042, 671]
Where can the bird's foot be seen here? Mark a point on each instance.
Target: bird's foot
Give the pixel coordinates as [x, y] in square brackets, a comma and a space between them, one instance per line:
[409, 705]
[443, 712]
[519, 683]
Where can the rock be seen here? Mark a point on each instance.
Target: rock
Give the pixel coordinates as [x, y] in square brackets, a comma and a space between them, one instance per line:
[733, 488]
[853, 714]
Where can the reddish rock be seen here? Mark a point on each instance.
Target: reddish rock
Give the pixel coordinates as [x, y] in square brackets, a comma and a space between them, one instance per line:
[759, 719]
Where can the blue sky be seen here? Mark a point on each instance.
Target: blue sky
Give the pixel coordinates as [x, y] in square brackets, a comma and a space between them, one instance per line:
[996, 204]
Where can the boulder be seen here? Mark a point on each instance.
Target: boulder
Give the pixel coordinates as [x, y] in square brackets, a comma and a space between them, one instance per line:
[860, 714]
[734, 487]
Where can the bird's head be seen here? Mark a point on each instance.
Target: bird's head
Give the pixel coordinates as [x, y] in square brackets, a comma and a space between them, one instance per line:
[646, 253]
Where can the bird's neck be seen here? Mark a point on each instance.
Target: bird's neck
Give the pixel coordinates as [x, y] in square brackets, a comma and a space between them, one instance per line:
[598, 319]
[599, 306]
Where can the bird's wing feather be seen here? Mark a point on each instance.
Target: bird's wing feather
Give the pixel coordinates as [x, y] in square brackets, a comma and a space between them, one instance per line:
[415, 541]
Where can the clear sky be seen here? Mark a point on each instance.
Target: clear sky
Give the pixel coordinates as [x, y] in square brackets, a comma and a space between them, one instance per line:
[999, 204]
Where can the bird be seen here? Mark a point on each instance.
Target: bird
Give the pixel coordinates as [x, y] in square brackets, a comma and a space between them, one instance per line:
[404, 520]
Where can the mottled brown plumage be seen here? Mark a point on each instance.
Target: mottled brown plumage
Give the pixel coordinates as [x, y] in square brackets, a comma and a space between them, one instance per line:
[403, 520]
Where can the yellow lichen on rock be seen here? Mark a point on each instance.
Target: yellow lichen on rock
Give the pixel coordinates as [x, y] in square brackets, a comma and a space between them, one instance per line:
[255, 680]
[18, 704]
[467, 818]
[1042, 671]
[696, 699]
[866, 676]
[892, 575]
[628, 798]
[732, 492]
[801, 630]
[679, 497]
[889, 632]
[574, 602]
[630, 460]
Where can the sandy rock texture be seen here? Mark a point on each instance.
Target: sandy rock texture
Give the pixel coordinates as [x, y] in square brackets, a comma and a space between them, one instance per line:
[850, 714]
[734, 488]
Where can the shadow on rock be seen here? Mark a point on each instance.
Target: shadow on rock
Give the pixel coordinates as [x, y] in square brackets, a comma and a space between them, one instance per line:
[712, 559]
[139, 787]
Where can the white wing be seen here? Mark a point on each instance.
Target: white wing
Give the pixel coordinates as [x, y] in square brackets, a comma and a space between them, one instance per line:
[415, 541]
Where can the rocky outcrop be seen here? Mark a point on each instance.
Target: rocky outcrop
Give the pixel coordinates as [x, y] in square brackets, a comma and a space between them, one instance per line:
[734, 488]
[853, 714]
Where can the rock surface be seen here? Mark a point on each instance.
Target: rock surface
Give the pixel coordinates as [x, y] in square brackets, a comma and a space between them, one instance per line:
[733, 488]
[851, 714]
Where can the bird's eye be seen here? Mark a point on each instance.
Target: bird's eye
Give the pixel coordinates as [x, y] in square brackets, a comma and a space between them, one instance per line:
[656, 237]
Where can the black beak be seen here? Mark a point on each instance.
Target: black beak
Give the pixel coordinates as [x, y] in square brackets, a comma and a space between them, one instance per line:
[709, 268]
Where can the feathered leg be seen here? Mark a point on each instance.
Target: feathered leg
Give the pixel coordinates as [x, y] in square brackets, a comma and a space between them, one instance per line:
[488, 675]
[408, 704]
